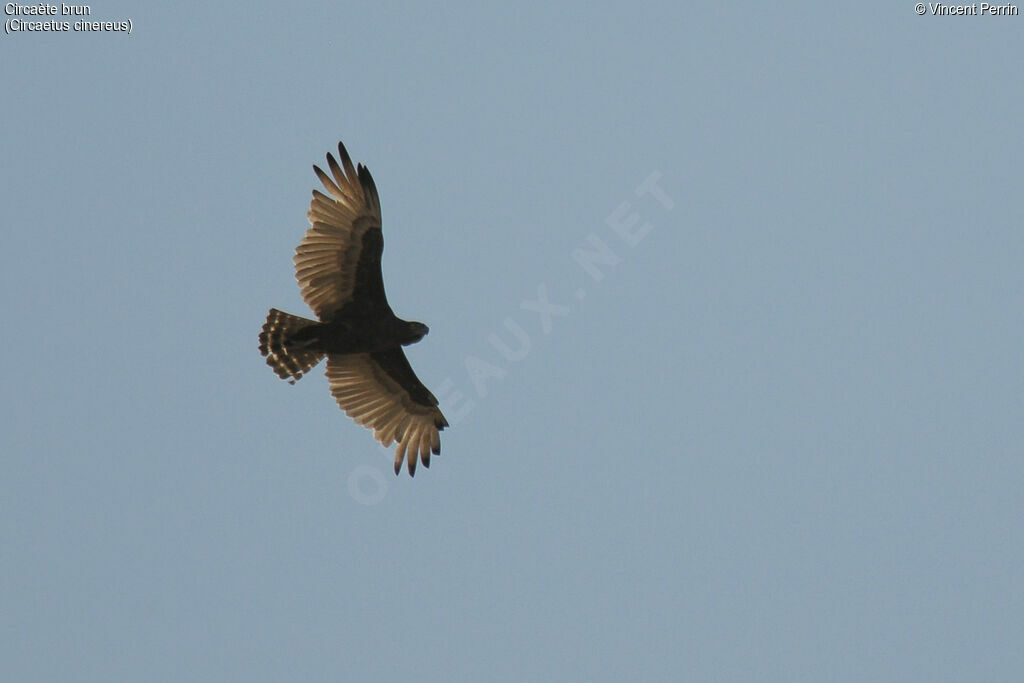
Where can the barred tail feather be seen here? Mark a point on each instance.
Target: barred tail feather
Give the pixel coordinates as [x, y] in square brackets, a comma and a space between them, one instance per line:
[290, 364]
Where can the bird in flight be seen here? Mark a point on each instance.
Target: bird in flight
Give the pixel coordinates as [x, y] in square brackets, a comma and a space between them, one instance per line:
[337, 265]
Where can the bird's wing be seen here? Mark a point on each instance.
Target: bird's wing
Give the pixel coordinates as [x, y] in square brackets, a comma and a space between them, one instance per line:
[338, 260]
[380, 391]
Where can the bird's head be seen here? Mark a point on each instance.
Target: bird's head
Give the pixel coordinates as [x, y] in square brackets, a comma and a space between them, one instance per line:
[417, 331]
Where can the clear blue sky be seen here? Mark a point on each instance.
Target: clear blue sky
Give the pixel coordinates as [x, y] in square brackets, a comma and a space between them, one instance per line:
[774, 436]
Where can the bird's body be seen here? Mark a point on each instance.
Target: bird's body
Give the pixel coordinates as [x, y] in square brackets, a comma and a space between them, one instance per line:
[356, 334]
[338, 268]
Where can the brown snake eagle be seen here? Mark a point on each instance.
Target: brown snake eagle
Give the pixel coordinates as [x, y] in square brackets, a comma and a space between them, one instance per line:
[337, 265]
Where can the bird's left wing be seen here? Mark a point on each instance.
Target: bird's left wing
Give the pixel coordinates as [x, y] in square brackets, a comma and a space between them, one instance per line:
[380, 391]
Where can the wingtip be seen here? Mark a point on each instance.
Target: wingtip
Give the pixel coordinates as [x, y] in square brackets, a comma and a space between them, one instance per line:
[366, 179]
[336, 171]
[344, 157]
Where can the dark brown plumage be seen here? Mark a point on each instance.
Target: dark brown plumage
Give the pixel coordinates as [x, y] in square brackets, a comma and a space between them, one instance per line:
[337, 265]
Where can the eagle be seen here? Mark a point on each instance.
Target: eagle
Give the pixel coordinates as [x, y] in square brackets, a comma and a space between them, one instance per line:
[337, 265]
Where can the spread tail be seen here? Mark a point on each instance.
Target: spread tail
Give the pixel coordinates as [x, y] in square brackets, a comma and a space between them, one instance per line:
[289, 363]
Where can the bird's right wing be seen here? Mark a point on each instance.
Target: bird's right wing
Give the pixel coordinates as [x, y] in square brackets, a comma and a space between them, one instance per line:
[338, 260]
